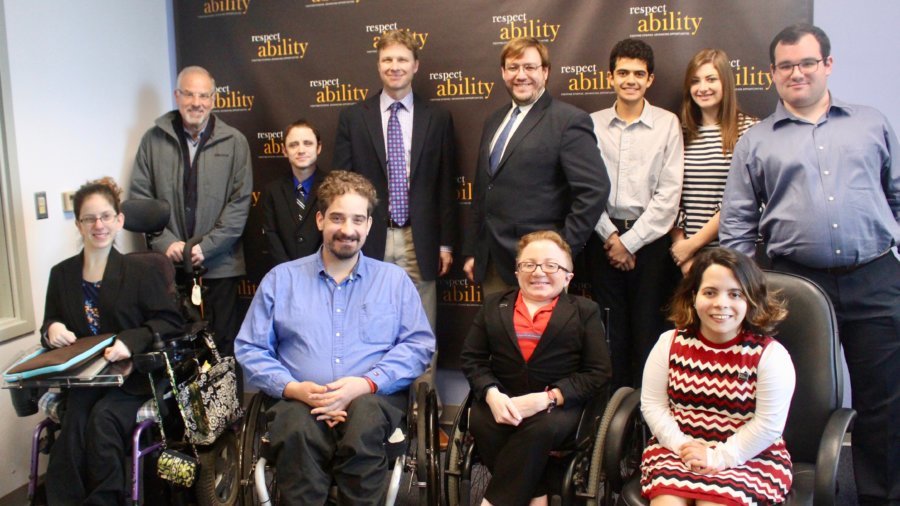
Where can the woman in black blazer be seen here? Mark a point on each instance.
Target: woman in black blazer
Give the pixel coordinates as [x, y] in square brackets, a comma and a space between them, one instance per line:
[534, 356]
[95, 292]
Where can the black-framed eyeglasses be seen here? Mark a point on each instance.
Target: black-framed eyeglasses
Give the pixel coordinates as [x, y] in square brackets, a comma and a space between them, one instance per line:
[106, 218]
[546, 267]
[805, 66]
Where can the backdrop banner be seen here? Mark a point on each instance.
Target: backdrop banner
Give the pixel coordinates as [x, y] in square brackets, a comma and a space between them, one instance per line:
[276, 61]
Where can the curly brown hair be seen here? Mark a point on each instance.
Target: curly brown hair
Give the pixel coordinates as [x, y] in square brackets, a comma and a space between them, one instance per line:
[105, 186]
[765, 308]
[340, 182]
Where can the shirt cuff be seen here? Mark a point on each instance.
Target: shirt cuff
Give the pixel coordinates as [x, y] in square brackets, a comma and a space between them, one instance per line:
[631, 241]
[446, 249]
[378, 377]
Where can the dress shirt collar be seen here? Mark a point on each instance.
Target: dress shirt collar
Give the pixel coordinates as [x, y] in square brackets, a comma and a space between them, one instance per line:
[385, 102]
[836, 105]
[646, 116]
[360, 270]
[523, 109]
[307, 183]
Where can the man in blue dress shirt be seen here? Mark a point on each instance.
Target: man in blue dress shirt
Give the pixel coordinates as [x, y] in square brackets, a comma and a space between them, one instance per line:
[827, 176]
[335, 338]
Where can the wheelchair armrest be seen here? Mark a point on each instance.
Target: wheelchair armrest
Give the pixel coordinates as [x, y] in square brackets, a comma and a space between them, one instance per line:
[146, 363]
[829, 455]
[618, 438]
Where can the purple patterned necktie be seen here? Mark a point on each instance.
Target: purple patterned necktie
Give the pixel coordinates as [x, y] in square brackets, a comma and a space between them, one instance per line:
[398, 192]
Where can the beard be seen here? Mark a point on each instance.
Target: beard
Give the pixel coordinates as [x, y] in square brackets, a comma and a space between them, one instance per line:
[344, 251]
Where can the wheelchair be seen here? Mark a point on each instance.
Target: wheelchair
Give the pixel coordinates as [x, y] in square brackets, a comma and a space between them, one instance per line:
[816, 424]
[415, 457]
[217, 479]
[577, 467]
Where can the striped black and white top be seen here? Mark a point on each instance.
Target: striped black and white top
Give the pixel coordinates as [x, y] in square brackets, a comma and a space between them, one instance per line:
[705, 172]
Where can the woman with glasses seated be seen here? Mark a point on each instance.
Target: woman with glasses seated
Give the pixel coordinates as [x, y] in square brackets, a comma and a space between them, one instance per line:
[533, 357]
[101, 291]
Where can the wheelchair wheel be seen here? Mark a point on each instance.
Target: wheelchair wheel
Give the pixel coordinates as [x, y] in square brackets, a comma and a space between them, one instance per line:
[622, 453]
[595, 472]
[255, 427]
[427, 446]
[217, 484]
[465, 479]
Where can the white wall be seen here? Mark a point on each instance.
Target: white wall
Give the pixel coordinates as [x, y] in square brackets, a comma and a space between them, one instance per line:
[864, 43]
[87, 79]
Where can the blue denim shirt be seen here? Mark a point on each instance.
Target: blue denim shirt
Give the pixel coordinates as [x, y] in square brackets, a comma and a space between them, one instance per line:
[831, 189]
[303, 326]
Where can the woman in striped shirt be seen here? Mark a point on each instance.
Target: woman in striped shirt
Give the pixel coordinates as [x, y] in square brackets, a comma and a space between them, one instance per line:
[712, 124]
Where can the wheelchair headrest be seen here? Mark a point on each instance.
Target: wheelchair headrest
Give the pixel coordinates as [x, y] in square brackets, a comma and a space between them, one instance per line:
[146, 216]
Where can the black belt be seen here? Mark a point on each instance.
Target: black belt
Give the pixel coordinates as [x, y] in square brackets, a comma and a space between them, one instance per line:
[393, 224]
[623, 225]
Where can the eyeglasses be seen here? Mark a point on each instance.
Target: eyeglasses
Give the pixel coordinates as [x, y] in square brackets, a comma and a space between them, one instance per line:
[805, 66]
[106, 218]
[527, 67]
[190, 95]
[546, 267]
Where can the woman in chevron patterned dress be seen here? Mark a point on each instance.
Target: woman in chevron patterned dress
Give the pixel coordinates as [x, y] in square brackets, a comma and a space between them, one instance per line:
[716, 391]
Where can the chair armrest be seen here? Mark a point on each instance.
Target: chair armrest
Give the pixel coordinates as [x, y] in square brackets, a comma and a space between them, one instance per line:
[829, 455]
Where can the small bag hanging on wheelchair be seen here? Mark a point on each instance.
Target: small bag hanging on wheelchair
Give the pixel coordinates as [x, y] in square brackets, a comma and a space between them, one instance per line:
[178, 468]
[173, 466]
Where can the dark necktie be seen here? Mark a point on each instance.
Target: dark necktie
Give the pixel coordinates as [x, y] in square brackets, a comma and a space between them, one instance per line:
[398, 193]
[301, 197]
[497, 152]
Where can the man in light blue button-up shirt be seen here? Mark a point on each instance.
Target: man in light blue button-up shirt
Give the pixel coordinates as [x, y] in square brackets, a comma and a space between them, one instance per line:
[335, 339]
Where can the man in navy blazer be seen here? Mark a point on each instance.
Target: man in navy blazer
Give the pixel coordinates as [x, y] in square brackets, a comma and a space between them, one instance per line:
[539, 168]
[420, 238]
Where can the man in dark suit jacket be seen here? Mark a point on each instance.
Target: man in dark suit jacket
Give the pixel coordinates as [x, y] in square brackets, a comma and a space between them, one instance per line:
[289, 202]
[415, 225]
[538, 169]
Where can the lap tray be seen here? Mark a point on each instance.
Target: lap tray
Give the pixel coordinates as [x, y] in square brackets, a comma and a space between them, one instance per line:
[79, 363]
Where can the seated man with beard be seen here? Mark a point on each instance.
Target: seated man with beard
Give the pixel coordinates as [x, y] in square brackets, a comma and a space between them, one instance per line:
[335, 339]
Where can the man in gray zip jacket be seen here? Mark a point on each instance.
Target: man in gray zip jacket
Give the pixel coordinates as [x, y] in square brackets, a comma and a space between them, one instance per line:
[201, 166]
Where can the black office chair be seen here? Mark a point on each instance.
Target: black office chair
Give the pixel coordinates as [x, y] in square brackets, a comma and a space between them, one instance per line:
[816, 422]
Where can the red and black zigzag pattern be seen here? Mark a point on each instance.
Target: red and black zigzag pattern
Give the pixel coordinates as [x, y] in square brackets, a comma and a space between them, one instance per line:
[712, 393]
[761, 480]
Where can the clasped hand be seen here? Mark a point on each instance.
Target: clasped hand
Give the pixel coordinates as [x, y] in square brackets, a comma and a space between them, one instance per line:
[512, 410]
[693, 454]
[329, 402]
[619, 256]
